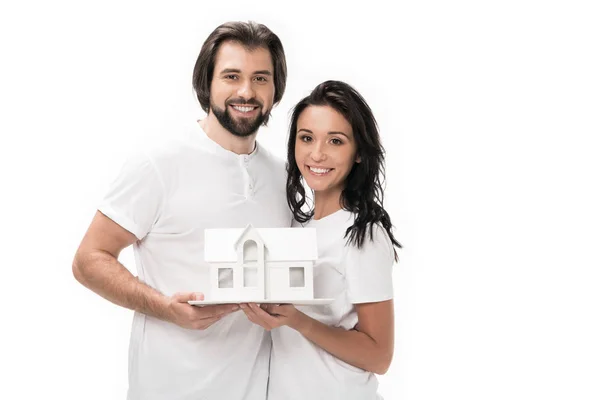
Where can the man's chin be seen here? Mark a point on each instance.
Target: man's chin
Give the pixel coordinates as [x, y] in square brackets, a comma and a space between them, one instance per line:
[246, 125]
[243, 121]
[244, 131]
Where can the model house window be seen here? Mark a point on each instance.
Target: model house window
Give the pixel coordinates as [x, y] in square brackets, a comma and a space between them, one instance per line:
[250, 277]
[250, 251]
[225, 278]
[297, 277]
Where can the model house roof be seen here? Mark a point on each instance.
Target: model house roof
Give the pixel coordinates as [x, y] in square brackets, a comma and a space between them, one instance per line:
[249, 230]
[281, 244]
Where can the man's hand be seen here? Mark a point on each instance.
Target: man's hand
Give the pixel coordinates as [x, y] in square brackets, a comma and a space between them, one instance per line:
[192, 317]
[271, 316]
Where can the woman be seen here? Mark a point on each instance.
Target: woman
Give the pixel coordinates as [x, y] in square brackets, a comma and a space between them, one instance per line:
[332, 352]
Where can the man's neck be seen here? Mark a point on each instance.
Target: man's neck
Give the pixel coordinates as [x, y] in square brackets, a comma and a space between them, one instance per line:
[227, 140]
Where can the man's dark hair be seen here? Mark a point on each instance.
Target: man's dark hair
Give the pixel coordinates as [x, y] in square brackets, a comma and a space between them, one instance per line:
[252, 36]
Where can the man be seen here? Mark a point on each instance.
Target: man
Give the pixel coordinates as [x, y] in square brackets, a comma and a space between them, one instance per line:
[216, 176]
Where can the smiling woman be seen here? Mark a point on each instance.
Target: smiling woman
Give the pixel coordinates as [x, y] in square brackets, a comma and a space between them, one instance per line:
[325, 149]
[334, 147]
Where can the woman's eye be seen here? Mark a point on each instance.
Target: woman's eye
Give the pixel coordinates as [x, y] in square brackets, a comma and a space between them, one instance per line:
[336, 141]
[306, 138]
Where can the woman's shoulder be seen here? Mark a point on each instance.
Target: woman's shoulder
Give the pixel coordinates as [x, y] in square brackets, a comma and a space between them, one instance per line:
[339, 219]
[376, 241]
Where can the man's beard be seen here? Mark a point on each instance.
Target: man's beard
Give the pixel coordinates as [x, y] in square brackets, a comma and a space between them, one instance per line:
[244, 126]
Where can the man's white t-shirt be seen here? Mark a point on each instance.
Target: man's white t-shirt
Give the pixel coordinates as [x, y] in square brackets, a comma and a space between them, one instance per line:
[301, 370]
[166, 197]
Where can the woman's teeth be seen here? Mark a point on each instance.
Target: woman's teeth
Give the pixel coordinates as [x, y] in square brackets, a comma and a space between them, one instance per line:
[320, 170]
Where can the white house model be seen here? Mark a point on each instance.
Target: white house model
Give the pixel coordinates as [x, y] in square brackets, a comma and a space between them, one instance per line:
[258, 264]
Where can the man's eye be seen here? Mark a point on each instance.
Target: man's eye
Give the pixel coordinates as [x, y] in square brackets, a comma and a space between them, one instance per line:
[230, 76]
[261, 79]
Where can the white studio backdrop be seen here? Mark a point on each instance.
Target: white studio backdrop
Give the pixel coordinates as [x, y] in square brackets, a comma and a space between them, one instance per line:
[489, 112]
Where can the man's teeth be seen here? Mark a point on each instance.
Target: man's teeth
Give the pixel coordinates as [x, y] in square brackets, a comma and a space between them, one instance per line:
[243, 109]
[319, 170]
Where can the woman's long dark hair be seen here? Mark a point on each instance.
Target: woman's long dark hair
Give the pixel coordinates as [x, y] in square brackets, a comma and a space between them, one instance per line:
[363, 191]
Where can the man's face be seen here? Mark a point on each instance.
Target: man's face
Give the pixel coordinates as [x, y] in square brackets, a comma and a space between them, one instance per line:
[242, 88]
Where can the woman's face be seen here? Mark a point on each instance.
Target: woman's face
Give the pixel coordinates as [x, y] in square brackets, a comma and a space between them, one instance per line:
[325, 148]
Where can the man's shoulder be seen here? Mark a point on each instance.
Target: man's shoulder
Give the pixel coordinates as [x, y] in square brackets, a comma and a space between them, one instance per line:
[164, 151]
[274, 166]
[271, 159]
[170, 144]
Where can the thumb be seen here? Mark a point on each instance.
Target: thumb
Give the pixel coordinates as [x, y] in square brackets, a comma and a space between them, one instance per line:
[185, 297]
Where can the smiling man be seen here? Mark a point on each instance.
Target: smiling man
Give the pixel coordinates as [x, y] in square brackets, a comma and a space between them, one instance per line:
[242, 92]
[215, 176]
[239, 104]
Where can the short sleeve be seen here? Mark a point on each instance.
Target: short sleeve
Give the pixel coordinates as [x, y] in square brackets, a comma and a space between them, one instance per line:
[135, 197]
[369, 269]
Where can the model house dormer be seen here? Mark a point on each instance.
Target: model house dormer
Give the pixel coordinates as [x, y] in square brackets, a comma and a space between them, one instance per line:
[250, 249]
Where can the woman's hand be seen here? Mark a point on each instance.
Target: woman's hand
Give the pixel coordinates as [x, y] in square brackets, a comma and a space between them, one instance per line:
[271, 316]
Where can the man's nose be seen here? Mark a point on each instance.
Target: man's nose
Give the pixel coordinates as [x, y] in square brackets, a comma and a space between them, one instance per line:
[245, 90]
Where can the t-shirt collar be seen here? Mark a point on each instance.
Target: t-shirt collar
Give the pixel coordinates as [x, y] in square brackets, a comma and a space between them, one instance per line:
[217, 149]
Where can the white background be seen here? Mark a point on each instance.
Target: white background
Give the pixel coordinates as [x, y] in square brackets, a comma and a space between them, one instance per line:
[489, 111]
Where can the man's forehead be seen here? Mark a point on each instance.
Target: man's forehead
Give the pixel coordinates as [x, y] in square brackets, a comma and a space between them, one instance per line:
[233, 55]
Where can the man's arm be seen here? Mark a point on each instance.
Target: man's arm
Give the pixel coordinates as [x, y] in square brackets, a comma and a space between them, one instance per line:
[96, 267]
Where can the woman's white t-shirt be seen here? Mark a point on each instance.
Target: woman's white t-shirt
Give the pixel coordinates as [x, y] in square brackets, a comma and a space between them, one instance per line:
[301, 370]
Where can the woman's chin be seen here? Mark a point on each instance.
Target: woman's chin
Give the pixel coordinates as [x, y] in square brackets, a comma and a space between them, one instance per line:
[315, 186]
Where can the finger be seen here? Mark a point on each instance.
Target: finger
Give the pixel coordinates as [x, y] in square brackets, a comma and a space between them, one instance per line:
[219, 310]
[248, 312]
[264, 316]
[246, 309]
[187, 296]
[205, 323]
[280, 309]
[270, 309]
[252, 318]
[255, 318]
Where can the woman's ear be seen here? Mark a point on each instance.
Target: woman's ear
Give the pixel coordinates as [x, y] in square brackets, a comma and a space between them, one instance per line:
[358, 160]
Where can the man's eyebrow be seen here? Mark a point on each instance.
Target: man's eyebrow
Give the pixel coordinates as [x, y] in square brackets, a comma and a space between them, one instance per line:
[263, 72]
[230, 70]
[239, 71]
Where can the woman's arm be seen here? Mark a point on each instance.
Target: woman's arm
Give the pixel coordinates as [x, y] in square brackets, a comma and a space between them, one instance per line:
[370, 345]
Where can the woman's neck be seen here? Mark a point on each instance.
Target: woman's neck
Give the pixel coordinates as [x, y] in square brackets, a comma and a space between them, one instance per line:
[327, 202]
